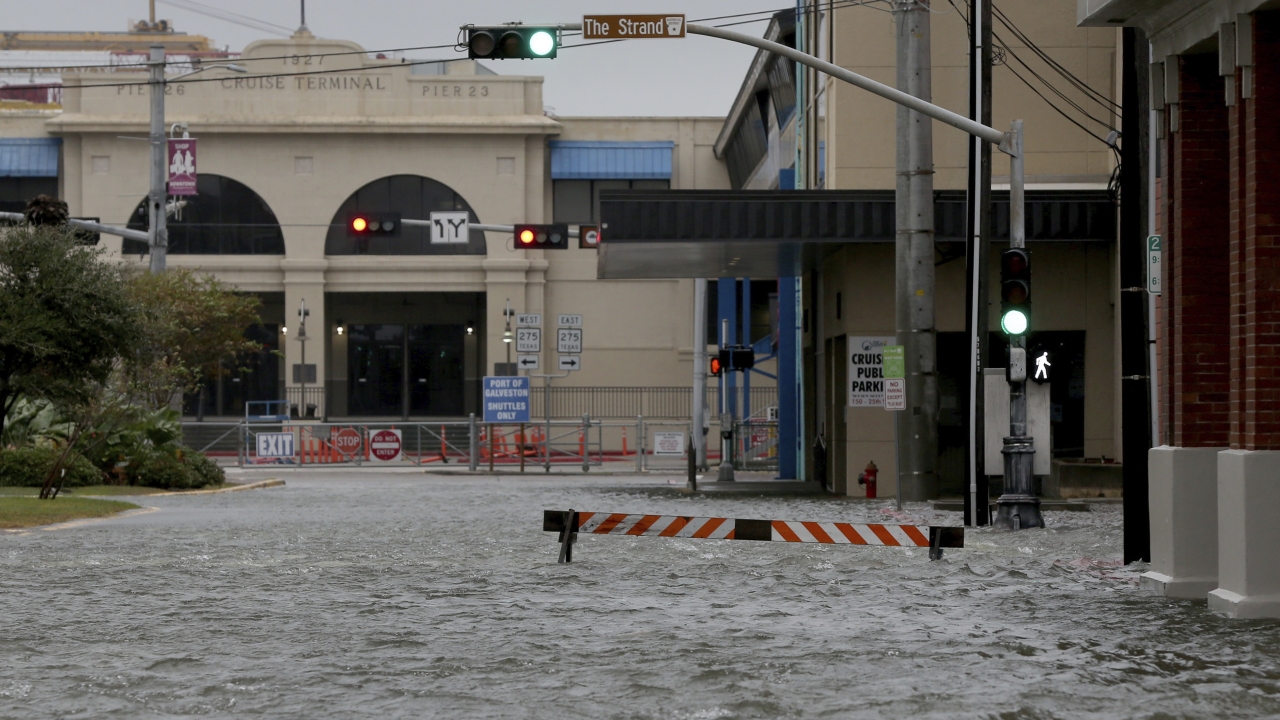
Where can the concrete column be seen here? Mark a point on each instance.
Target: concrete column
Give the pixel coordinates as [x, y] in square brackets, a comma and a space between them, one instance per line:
[1183, 488]
[1248, 535]
[304, 279]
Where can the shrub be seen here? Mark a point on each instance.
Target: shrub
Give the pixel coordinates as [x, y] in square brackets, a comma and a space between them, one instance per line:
[177, 469]
[206, 469]
[28, 467]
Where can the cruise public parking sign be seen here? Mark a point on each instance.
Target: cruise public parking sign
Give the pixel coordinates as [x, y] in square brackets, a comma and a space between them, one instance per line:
[506, 399]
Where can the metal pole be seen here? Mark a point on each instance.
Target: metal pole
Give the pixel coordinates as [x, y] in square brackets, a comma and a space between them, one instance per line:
[158, 239]
[1018, 507]
[546, 440]
[724, 473]
[977, 508]
[474, 459]
[586, 440]
[699, 370]
[917, 474]
[639, 443]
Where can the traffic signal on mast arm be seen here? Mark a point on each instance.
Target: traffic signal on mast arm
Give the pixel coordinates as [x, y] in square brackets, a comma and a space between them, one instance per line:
[542, 237]
[1015, 291]
[512, 42]
[378, 224]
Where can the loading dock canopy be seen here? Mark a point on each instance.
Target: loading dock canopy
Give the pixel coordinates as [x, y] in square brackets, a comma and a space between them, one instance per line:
[784, 233]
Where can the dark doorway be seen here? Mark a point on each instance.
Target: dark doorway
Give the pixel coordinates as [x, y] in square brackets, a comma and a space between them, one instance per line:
[436, 374]
[375, 364]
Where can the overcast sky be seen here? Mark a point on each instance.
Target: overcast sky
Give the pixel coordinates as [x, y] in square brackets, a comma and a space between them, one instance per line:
[693, 76]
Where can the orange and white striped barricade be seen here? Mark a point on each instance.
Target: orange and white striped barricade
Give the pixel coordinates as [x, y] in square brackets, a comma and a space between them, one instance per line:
[717, 528]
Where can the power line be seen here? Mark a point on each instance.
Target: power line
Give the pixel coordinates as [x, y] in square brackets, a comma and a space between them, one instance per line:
[228, 16]
[1080, 85]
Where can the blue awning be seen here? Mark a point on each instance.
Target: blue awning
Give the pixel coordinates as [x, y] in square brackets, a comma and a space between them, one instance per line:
[602, 160]
[29, 157]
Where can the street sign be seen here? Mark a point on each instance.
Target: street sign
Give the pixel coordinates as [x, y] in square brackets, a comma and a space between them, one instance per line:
[631, 27]
[528, 340]
[588, 236]
[570, 362]
[570, 321]
[347, 441]
[528, 362]
[895, 361]
[668, 443]
[385, 445]
[275, 445]
[182, 166]
[865, 378]
[569, 340]
[506, 399]
[450, 228]
[529, 320]
[895, 393]
[1155, 267]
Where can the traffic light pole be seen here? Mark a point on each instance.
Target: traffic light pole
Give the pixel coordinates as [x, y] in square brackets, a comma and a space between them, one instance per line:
[1018, 506]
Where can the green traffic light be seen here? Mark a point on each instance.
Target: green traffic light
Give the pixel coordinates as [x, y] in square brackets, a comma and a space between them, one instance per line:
[1014, 322]
[542, 43]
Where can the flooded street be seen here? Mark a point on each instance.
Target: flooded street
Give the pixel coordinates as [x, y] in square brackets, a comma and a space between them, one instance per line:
[410, 595]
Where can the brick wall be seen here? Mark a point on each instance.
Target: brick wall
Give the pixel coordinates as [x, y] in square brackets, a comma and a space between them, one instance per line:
[1199, 222]
[1259, 266]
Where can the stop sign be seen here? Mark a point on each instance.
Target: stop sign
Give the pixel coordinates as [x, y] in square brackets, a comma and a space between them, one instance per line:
[384, 445]
[347, 441]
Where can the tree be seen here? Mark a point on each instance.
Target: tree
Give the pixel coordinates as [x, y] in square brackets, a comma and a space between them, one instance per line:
[192, 325]
[65, 316]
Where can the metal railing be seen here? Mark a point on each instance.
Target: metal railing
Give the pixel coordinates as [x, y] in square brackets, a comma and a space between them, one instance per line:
[755, 445]
[629, 402]
[305, 402]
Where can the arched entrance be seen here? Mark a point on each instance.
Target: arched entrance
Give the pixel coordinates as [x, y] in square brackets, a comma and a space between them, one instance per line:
[225, 217]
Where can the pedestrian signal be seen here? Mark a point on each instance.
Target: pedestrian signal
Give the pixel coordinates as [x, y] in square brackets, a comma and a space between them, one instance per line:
[542, 237]
[1015, 291]
[716, 367]
[512, 42]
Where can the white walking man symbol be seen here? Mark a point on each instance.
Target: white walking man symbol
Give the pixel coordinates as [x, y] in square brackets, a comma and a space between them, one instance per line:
[1042, 366]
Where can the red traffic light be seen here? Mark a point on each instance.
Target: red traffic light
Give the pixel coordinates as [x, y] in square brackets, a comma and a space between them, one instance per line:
[366, 224]
[542, 237]
[715, 366]
[359, 224]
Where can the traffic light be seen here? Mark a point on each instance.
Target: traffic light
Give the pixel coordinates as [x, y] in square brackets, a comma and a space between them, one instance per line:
[1015, 291]
[380, 224]
[716, 367]
[512, 42]
[542, 237]
[736, 357]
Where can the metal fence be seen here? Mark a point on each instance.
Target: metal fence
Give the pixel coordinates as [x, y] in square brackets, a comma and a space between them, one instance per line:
[629, 402]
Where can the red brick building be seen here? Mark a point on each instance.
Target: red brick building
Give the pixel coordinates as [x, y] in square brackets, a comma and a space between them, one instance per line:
[1215, 101]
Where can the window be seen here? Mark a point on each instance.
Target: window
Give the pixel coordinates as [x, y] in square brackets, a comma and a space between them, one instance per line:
[578, 201]
[414, 197]
[226, 217]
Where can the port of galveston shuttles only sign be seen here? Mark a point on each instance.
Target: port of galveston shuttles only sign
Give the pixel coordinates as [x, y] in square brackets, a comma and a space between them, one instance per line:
[506, 399]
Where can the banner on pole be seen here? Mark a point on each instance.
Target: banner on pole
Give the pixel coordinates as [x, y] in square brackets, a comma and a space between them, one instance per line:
[182, 166]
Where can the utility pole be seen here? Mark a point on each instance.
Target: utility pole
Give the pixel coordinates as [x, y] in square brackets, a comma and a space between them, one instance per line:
[976, 504]
[918, 435]
[699, 371]
[158, 236]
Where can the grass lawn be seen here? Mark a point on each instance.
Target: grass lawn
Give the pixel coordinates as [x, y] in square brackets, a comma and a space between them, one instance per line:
[22, 512]
[87, 490]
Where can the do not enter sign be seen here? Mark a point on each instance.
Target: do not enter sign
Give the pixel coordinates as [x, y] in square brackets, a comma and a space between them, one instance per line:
[384, 445]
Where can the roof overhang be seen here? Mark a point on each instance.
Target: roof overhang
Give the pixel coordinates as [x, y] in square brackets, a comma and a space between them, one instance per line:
[785, 233]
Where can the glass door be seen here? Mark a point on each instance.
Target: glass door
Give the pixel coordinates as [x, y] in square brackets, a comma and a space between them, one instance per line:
[375, 370]
[436, 370]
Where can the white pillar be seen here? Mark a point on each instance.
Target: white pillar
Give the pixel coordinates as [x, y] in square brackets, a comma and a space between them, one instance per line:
[1183, 492]
[1248, 534]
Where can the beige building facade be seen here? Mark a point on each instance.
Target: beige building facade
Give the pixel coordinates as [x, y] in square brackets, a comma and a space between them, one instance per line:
[316, 129]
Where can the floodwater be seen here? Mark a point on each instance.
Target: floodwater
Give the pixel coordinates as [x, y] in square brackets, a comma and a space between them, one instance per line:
[410, 595]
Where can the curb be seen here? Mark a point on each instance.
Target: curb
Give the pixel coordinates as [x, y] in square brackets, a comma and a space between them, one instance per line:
[272, 482]
[81, 522]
